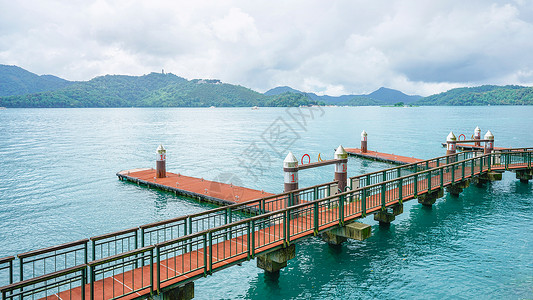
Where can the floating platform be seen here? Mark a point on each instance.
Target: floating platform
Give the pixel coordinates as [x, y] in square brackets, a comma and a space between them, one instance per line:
[384, 157]
[198, 188]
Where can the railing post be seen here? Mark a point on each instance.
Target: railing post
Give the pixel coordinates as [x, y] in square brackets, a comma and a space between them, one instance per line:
[472, 167]
[93, 275]
[158, 261]
[363, 202]
[441, 176]
[151, 271]
[210, 240]
[205, 254]
[489, 162]
[481, 165]
[415, 183]
[252, 248]
[383, 191]
[315, 217]
[10, 272]
[341, 210]
[429, 180]
[287, 226]
[83, 281]
[463, 170]
[400, 190]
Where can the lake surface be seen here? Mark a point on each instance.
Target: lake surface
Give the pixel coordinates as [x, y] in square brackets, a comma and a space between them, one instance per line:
[58, 184]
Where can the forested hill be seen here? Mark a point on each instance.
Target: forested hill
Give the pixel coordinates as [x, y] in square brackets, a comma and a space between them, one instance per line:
[17, 81]
[152, 90]
[482, 95]
[382, 96]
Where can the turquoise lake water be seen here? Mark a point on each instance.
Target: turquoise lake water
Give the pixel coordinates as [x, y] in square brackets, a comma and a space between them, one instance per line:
[58, 184]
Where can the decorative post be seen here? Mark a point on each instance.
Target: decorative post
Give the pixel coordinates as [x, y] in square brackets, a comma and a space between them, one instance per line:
[161, 169]
[477, 136]
[290, 168]
[489, 145]
[341, 174]
[364, 147]
[451, 142]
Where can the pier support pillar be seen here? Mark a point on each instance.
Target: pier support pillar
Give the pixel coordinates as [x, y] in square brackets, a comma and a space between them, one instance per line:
[290, 169]
[341, 166]
[160, 164]
[486, 177]
[428, 199]
[489, 146]
[355, 230]
[457, 188]
[385, 217]
[477, 136]
[276, 260]
[451, 146]
[524, 175]
[364, 141]
[184, 292]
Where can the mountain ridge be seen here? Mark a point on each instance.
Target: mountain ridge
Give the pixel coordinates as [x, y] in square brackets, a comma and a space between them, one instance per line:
[381, 96]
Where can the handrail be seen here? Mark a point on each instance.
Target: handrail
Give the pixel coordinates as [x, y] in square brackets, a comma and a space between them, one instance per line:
[119, 256]
[27, 282]
[53, 248]
[410, 165]
[113, 234]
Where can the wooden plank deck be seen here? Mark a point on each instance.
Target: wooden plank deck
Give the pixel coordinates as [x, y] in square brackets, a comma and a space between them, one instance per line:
[199, 188]
[384, 157]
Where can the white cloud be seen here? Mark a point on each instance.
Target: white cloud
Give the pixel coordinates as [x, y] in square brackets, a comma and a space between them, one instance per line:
[419, 47]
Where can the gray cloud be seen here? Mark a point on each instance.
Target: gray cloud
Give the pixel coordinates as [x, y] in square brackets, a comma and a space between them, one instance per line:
[420, 47]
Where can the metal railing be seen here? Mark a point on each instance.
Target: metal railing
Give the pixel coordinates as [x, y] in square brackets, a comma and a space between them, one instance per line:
[200, 253]
[399, 171]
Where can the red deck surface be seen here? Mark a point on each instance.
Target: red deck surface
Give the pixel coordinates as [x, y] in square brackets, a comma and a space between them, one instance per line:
[226, 192]
[386, 157]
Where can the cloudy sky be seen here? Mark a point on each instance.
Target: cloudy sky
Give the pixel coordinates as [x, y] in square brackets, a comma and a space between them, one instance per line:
[327, 47]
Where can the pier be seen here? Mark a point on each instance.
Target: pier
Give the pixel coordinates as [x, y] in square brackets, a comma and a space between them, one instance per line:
[197, 188]
[162, 260]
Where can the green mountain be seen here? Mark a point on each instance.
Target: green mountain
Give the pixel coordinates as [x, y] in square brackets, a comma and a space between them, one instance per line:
[152, 90]
[382, 96]
[482, 95]
[391, 96]
[17, 81]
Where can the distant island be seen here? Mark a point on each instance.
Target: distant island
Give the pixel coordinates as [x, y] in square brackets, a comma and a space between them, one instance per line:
[21, 88]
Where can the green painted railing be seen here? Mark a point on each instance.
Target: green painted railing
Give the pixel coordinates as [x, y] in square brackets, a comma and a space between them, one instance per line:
[399, 171]
[190, 256]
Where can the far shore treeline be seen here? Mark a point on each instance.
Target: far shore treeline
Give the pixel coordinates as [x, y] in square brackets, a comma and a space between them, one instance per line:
[20, 88]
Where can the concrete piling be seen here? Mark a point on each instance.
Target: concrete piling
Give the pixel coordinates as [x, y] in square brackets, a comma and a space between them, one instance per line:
[341, 166]
[451, 144]
[290, 169]
[477, 136]
[161, 171]
[364, 146]
[489, 145]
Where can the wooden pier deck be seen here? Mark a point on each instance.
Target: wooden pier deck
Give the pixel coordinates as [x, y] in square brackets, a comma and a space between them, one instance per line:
[384, 157]
[198, 188]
